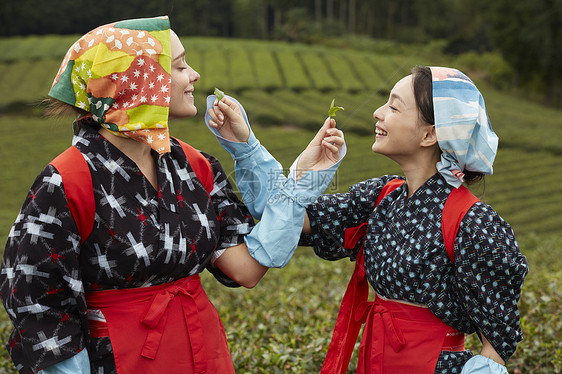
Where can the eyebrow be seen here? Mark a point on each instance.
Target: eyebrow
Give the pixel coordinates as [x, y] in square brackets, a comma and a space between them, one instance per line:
[397, 97]
[181, 55]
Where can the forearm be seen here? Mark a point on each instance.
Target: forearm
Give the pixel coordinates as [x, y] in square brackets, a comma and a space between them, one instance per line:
[239, 266]
[306, 229]
[487, 362]
[489, 351]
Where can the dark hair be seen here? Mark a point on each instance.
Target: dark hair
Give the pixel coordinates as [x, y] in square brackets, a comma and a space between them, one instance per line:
[423, 92]
[57, 108]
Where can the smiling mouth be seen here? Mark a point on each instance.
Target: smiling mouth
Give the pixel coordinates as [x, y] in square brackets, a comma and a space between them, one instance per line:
[380, 132]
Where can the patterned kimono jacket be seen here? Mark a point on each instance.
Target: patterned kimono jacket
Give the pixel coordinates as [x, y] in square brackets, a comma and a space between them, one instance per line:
[142, 236]
[405, 258]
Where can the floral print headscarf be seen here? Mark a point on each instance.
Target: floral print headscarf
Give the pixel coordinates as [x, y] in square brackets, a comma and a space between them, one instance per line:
[121, 74]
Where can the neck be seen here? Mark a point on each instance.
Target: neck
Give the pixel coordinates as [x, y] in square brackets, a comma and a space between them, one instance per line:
[136, 151]
[418, 170]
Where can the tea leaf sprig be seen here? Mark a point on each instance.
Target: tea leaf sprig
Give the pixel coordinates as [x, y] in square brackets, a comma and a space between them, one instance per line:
[219, 94]
[334, 109]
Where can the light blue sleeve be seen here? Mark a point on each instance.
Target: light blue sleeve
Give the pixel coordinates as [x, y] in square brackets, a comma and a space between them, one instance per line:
[77, 364]
[255, 168]
[279, 202]
[483, 365]
[275, 238]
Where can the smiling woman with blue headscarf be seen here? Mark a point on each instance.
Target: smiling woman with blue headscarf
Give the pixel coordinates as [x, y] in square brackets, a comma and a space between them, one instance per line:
[435, 126]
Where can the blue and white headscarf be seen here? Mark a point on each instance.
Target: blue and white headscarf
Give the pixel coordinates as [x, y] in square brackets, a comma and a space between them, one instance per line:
[464, 132]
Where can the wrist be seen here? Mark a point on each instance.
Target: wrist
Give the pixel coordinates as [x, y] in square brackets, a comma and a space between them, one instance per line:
[237, 149]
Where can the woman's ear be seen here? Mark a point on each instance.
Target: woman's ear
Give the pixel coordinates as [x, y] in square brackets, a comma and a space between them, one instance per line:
[429, 136]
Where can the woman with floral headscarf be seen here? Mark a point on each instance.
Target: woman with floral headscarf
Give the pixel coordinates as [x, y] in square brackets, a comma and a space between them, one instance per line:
[435, 126]
[113, 286]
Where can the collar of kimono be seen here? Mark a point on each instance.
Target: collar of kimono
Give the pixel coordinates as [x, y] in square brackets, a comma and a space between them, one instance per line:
[121, 74]
[464, 132]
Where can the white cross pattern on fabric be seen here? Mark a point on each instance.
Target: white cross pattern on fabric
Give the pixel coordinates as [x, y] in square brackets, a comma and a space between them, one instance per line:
[50, 217]
[217, 187]
[168, 243]
[74, 283]
[33, 308]
[36, 231]
[114, 166]
[9, 272]
[203, 219]
[80, 139]
[113, 202]
[184, 175]
[168, 177]
[88, 159]
[139, 249]
[52, 344]
[240, 227]
[53, 180]
[30, 271]
[13, 232]
[141, 199]
[182, 247]
[102, 261]
[74, 241]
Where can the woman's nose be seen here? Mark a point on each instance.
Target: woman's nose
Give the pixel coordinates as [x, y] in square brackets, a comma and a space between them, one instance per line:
[194, 75]
[377, 114]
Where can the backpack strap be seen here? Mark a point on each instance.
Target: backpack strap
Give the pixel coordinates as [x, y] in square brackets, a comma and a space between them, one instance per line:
[458, 203]
[347, 329]
[200, 165]
[353, 234]
[78, 188]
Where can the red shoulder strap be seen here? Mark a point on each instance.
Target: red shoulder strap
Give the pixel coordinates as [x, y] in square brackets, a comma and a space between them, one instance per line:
[79, 190]
[347, 329]
[77, 184]
[388, 188]
[458, 203]
[200, 165]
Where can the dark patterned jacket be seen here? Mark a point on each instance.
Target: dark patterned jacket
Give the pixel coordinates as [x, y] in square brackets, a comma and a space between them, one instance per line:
[142, 236]
[405, 258]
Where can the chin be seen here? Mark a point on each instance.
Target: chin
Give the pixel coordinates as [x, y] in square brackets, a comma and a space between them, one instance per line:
[187, 113]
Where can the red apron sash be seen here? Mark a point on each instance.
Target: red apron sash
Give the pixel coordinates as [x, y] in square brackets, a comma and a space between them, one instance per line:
[171, 328]
[402, 338]
[391, 327]
[347, 329]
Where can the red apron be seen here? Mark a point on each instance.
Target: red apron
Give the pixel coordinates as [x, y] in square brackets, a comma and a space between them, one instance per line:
[397, 338]
[169, 328]
[402, 338]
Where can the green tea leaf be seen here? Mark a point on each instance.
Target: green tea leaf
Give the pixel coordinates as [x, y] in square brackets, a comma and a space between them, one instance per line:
[334, 109]
[219, 94]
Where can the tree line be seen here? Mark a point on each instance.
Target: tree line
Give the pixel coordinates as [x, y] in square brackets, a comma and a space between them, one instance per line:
[527, 33]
